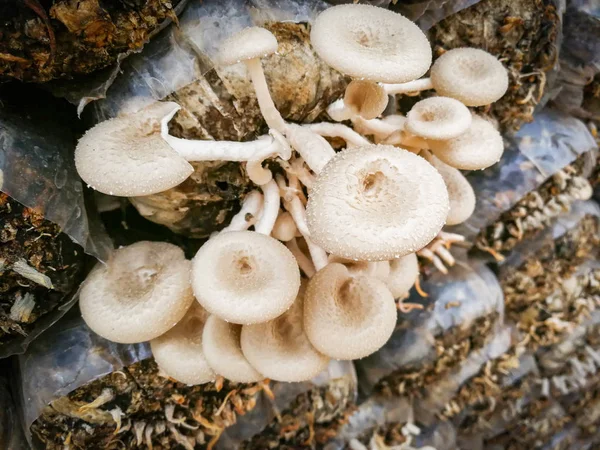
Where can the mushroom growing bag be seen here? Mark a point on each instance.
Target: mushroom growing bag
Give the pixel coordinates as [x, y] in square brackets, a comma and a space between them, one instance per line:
[72, 382]
[11, 434]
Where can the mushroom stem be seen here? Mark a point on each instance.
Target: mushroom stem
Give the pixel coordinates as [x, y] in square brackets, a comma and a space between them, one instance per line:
[338, 130]
[270, 208]
[338, 111]
[422, 84]
[301, 172]
[314, 149]
[377, 127]
[256, 172]
[296, 209]
[265, 102]
[285, 227]
[406, 139]
[251, 205]
[304, 262]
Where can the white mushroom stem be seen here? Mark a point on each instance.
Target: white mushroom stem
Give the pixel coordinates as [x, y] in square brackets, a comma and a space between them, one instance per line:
[304, 261]
[338, 111]
[270, 208]
[302, 172]
[256, 172]
[296, 209]
[422, 84]
[314, 149]
[288, 192]
[338, 130]
[377, 127]
[406, 139]
[431, 256]
[265, 102]
[251, 206]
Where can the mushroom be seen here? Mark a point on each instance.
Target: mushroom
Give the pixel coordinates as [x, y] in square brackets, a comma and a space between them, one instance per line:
[403, 275]
[249, 45]
[470, 75]
[280, 348]
[314, 149]
[438, 118]
[141, 292]
[362, 98]
[460, 192]
[222, 349]
[248, 214]
[409, 87]
[376, 203]
[347, 317]
[270, 208]
[245, 277]
[327, 129]
[179, 352]
[478, 148]
[285, 228]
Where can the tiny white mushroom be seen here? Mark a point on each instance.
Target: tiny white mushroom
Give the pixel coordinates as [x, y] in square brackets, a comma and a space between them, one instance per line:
[438, 118]
[179, 353]
[245, 277]
[347, 317]
[361, 98]
[141, 292]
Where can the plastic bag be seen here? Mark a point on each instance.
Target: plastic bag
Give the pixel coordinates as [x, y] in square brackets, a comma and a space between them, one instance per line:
[71, 367]
[11, 434]
[426, 13]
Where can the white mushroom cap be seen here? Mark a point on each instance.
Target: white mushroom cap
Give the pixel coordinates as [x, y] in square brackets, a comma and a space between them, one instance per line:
[348, 317]
[376, 44]
[141, 293]
[355, 268]
[478, 148]
[365, 98]
[460, 192]
[223, 351]
[280, 348]
[250, 43]
[376, 203]
[126, 156]
[245, 277]
[179, 353]
[470, 75]
[403, 274]
[438, 118]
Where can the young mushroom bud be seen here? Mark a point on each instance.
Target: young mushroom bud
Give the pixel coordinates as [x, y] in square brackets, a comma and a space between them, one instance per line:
[179, 353]
[403, 275]
[347, 317]
[470, 75]
[362, 98]
[222, 349]
[280, 348]
[376, 203]
[141, 292]
[245, 277]
[478, 148]
[285, 228]
[438, 118]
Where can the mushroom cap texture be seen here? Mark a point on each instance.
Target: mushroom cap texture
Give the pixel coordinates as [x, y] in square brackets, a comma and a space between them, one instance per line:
[141, 293]
[250, 43]
[245, 277]
[478, 148]
[348, 317]
[470, 75]
[403, 274]
[126, 156]
[365, 98]
[222, 348]
[438, 118]
[460, 192]
[179, 352]
[376, 203]
[376, 44]
[280, 348]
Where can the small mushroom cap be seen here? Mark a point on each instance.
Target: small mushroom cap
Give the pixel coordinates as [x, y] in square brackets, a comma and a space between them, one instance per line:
[470, 75]
[478, 148]
[222, 348]
[250, 43]
[348, 317]
[438, 118]
[179, 352]
[376, 203]
[460, 192]
[285, 228]
[141, 293]
[126, 156]
[365, 98]
[376, 44]
[280, 348]
[403, 274]
[245, 277]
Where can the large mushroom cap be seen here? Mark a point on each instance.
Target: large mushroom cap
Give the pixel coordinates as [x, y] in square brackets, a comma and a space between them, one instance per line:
[438, 118]
[376, 203]
[479, 147]
[348, 317]
[365, 98]
[250, 43]
[470, 75]
[179, 351]
[141, 293]
[245, 277]
[126, 156]
[280, 348]
[222, 348]
[376, 44]
[403, 274]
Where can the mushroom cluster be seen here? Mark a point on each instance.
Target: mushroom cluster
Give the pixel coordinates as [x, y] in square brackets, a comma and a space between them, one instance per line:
[335, 234]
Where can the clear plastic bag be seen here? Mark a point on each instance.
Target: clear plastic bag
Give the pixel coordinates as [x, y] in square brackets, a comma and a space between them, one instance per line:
[426, 13]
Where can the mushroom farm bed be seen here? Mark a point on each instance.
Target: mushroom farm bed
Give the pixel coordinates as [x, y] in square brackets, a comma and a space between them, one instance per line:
[299, 224]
